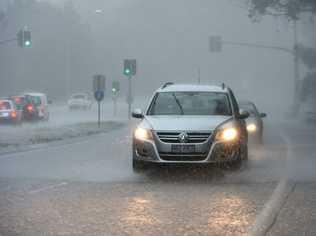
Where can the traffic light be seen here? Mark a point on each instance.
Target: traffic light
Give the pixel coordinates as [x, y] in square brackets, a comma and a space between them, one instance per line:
[27, 40]
[24, 39]
[216, 43]
[129, 67]
[115, 87]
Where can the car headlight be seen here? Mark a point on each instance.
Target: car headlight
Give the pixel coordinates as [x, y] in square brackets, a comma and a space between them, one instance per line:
[228, 134]
[142, 134]
[251, 128]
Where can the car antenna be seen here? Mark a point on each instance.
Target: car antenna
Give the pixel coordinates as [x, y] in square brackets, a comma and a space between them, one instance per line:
[223, 86]
[166, 85]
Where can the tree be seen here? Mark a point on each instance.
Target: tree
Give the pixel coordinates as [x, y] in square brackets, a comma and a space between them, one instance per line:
[308, 56]
[290, 9]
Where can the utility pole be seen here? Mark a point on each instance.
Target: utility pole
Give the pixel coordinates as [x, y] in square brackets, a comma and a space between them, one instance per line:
[129, 96]
[199, 75]
[296, 68]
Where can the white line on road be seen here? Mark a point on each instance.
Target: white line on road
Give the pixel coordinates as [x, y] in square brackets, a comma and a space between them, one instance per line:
[268, 216]
[47, 188]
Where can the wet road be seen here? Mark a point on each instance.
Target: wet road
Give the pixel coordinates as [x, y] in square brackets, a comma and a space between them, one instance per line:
[88, 188]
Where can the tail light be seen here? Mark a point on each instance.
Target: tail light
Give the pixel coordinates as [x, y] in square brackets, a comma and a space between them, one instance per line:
[17, 100]
[30, 108]
[13, 114]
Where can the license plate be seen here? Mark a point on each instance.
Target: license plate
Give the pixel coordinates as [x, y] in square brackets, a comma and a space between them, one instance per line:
[183, 148]
[4, 114]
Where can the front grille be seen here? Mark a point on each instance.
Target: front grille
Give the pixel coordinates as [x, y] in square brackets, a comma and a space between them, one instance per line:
[193, 137]
[168, 156]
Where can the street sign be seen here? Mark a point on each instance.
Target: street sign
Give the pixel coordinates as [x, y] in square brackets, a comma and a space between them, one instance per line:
[98, 89]
[130, 67]
[99, 95]
[98, 83]
[215, 43]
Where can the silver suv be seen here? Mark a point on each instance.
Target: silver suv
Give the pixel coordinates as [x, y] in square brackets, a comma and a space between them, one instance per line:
[190, 124]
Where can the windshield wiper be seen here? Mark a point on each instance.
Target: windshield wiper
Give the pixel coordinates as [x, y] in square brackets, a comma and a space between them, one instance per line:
[179, 104]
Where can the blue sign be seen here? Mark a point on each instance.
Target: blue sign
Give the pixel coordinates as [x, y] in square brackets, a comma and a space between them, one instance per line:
[99, 95]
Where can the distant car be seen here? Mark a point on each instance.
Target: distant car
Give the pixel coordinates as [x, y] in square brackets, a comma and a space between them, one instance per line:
[8, 112]
[254, 121]
[192, 124]
[79, 101]
[19, 102]
[36, 106]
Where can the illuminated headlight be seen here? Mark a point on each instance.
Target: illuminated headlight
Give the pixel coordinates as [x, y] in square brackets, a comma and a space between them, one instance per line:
[228, 134]
[251, 128]
[142, 134]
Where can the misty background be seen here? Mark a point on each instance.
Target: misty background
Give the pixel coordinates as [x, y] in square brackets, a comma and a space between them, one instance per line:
[73, 40]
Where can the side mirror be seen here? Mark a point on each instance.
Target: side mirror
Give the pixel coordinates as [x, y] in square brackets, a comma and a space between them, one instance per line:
[243, 114]
[50, 102]
[263, 115]
[138, 114]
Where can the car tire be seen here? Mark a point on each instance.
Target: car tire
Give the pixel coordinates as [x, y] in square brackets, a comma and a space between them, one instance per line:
[241, 156]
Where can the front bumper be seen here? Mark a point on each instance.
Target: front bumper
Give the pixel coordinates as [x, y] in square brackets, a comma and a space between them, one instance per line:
[210, 151]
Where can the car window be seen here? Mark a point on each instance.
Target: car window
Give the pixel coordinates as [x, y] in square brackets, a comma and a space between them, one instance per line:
[79, 96]
[19, 102]
[191, 103]
[250, 108]
[36, 100]
[5, 105]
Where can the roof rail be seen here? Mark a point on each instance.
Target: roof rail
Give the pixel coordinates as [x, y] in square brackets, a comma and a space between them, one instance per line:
[223, 86]
[166, 85]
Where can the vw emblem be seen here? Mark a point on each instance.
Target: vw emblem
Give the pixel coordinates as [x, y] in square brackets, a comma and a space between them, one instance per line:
[183, 137]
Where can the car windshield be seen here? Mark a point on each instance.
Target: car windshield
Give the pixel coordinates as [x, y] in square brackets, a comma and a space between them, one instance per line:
[36, 100]
[191, 103]
[19, 102]
[79, 96]
[250, 108]
[5, 105]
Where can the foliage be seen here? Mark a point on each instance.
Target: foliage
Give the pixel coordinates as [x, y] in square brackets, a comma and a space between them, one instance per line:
[61, 49]
[288, 8]
[308, 56]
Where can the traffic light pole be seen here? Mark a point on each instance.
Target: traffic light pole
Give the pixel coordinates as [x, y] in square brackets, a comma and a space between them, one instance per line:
[129, 96]
[114, 106]
[99, 114]
[8, 41]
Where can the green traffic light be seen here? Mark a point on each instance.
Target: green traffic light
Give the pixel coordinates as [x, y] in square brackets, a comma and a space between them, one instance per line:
[27, 43]
[127, 71]
[113, 90]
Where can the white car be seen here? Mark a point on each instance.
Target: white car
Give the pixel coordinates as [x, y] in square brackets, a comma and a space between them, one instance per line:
[193, 124]
[8, 112]
[79, 101]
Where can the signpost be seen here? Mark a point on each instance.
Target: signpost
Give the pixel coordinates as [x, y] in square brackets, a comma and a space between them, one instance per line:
[115, 92]
[130, 66]
[99, 89]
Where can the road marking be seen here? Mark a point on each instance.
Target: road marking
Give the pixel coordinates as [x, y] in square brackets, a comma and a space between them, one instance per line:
[268, 216]
[47, 188]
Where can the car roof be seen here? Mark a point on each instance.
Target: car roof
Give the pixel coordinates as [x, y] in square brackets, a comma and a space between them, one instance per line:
[192, 88]
[246, 102]
[35, 94]
[74, 94]
[5, 100]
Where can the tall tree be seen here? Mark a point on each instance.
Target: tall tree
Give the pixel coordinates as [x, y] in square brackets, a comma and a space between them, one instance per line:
[288, 8]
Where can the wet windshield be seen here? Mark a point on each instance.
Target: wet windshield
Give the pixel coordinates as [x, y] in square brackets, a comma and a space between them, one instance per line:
[79, 96]
[4, 105]
[250, 108]
[190, 103]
